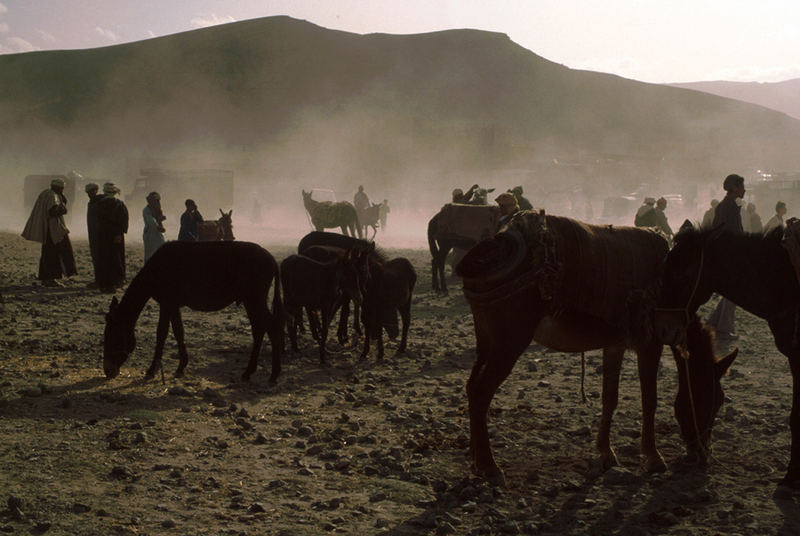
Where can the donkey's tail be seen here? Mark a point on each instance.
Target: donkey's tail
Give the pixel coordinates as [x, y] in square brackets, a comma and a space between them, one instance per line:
[277, 302]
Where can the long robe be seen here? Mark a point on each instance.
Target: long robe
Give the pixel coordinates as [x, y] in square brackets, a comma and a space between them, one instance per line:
[152, 237]
[46, 225]
[113, 219]
[93, 228]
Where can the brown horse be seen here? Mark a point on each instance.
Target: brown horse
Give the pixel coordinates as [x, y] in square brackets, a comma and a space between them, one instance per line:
[369, 217]
[571, 287]
[756, 273]
[221, 229]
[326, 214]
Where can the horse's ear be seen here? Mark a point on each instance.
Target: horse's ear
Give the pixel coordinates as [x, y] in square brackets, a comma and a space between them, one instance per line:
[230, 213]
[489, 190]
[722, 366]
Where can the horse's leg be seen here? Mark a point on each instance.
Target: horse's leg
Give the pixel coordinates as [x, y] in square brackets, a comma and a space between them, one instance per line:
[647, 361]
[325, 313]
[177, 330]
[291, 327]
[313, 323]
[379, 333]
[344, 315]
[367, 331]
[442, 261]
[164, 315]
[257, 311]
[783, 330]
[275, 333]
[612, 363]
[405, 315]
[500, 342]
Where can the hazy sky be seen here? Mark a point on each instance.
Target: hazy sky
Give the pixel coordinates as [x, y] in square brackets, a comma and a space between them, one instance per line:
[648, 40]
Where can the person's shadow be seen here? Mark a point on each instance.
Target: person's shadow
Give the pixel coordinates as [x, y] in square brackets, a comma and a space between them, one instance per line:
[790, 511]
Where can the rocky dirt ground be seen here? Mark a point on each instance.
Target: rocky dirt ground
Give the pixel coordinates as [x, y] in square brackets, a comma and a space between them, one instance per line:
[355, 447]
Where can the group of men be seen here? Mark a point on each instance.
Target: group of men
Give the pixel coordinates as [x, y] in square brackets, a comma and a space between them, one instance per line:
[651, 214]
[106, 223]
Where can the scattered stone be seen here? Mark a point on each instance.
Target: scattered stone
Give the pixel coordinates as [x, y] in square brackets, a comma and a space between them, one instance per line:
[179, 390]
[169, 524]
[256, 508]
[79, 508]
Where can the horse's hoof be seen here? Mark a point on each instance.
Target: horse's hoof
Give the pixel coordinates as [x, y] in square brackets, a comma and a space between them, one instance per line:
[149, 375]
[655, 465]
[246, 377]
[179, 374]
[609, 460]
[493, 475]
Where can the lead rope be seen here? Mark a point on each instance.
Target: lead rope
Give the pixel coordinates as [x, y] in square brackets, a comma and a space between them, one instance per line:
[685, 356]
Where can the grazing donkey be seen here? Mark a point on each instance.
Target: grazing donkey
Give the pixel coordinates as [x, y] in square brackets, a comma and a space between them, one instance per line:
[205, 276]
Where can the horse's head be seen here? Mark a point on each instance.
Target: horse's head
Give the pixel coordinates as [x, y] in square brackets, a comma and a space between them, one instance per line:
[225, 225]
[700, 393]
[684, 283]
[349, 276]
[118, 339]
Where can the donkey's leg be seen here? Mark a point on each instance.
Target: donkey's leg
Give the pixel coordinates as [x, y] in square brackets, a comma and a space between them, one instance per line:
[257, 311]
[164, 315]
[177, 330]
[405, 315]
[275, 332]
[648, 360]
[442, 261]
[367, 332]
[499, 345]
[379, 333]
[612, 363]
[323, 333]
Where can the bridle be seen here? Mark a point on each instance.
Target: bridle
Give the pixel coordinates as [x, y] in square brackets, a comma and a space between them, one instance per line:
[684, 351]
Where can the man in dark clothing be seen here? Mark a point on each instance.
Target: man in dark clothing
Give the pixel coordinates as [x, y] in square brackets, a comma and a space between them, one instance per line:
[189, 220]
[93, 225]
[646, 215]
[112, 215]
[464, 198]
[46, 225]
[523, 203]
[728, 215]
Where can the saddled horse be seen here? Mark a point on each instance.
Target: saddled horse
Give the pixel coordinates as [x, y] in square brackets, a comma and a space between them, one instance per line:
[327, 214]
[370, 217]
[571, 287]
[205, 276]
[754, 272]
[221, 229]
[457, 226]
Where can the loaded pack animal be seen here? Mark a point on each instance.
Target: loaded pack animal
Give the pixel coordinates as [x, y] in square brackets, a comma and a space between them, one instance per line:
[204, 276]
[221, 229]
[457, 226]
[571, 287]
[318, 286]
[335, 244]
[327, 214]
[757, 274]
[370, 217]
[389, 289]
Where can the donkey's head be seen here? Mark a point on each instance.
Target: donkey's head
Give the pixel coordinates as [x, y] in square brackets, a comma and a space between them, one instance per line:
[225, 225]
[119, 339]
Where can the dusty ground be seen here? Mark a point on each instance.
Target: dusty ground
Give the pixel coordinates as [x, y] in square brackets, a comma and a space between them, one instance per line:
[356, 448]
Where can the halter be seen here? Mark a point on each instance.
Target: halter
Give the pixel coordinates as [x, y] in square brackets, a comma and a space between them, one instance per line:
[684, 351]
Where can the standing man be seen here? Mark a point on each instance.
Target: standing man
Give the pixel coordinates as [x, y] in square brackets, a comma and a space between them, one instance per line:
[153, 232]
[777, 219]
[729, 216]
[646, 215]
[708, 216]
[113, 219]
[189, 220]
[383, 211]
[523, 203]
[46, 225]
[93, 225]
[661, 218]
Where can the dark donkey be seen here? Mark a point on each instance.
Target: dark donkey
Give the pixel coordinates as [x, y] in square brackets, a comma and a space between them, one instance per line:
[369, 217]
[754, 272]
[221, 229]
[388, 290]
[341, 243]
[205, 276]
[559, 282]
[327, 214]
[318, 286]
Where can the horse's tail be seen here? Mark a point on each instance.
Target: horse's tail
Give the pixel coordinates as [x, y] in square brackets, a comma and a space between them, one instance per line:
[432, 236]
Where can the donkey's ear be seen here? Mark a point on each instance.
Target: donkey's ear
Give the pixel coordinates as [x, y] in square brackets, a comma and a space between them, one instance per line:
[221, 213]
[722, 366]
